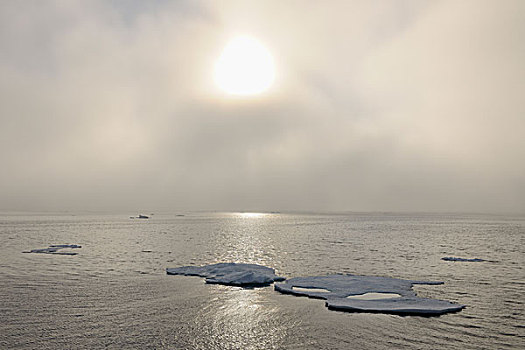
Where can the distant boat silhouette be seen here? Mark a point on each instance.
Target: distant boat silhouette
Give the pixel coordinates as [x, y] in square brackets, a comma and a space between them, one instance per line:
[142, 216]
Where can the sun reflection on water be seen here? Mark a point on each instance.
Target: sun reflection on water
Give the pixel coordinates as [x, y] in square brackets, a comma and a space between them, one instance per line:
[246, 238]
[240, 320]
[252, 215]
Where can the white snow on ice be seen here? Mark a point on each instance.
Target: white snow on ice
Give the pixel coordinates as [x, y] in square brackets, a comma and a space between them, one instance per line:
[451, 258]
[234, 274]
[54, 249]
[318, 290]
[374, 296]
[343, 286]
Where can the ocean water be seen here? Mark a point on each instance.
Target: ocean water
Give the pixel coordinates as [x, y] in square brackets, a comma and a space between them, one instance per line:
[115, 293]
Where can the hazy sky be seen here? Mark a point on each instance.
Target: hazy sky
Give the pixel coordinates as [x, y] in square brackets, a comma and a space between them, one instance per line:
[377, 105]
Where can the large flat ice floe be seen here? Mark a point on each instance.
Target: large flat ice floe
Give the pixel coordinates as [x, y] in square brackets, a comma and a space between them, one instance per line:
[54, 249]
[359, 294]
[233, 274]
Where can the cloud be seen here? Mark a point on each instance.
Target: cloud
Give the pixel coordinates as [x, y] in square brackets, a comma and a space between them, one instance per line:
[378, 106]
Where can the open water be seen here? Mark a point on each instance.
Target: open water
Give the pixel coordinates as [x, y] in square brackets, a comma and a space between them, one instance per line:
[115, 293]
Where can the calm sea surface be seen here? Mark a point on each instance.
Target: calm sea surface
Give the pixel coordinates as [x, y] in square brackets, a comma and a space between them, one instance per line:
[115, 293]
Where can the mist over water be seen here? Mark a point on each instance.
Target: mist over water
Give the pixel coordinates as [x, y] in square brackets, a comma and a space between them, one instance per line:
[377, 106]
[115, 292]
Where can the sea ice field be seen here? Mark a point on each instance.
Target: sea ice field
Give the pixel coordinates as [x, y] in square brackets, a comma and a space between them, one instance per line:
[116, 293]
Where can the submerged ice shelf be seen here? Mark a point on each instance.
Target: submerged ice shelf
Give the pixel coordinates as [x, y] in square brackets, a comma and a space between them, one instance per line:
[234, 274]
[54, 249]
[340, 287]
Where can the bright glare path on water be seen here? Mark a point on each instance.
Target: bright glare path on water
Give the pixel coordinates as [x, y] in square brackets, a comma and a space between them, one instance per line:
[115, 292]
[252, 215]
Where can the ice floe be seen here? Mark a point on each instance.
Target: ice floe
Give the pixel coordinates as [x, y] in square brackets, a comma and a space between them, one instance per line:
[403, 301]
[233, 274]
[452, 258]
[54, 249]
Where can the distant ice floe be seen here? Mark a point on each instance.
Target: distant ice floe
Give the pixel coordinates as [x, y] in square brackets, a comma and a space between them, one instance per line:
[54, 249]
[358, 294]
[233, 274]
[451, 258]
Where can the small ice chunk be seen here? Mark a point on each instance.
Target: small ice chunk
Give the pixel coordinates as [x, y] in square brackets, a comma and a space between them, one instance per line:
[451, 258]
[341, 287]
[234, 274]
[65, 246]
[54, 249]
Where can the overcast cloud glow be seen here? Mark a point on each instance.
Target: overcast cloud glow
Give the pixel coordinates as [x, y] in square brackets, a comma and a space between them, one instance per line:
[406, 105]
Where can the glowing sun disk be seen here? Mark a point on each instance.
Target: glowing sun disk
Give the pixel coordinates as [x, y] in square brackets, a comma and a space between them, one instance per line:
[245, 67]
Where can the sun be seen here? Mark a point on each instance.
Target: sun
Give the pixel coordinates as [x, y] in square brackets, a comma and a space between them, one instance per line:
[245, 67]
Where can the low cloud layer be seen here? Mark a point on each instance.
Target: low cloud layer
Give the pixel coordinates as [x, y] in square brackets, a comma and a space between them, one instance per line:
[407, 105]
